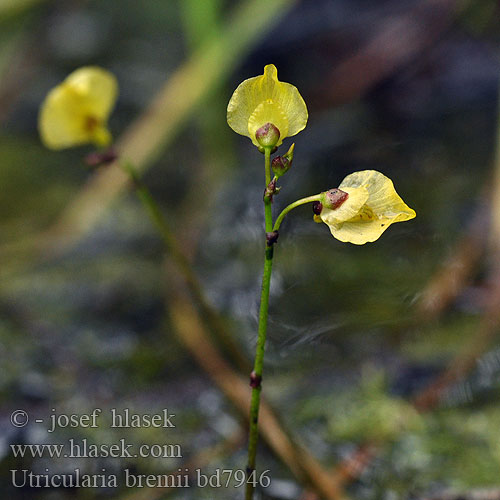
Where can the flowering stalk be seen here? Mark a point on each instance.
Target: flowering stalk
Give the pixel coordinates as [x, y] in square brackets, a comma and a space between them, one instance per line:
[256, 376]
[295, 204]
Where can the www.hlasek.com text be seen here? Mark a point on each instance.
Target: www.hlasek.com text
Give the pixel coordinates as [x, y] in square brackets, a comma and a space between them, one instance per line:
[82, 448]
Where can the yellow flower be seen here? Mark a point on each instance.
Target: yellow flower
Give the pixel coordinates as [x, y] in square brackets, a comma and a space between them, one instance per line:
[264, 99]
[77, 110]
[370, 207]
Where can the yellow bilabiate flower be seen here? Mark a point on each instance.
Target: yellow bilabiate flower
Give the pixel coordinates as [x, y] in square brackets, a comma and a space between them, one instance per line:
[77, 110]
[264, 99]
[371, 206]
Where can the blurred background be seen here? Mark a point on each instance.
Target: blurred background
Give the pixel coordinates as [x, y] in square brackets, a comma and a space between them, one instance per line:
[383, 362]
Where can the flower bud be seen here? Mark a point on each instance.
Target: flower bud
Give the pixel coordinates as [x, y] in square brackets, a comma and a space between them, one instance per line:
[333, 198]
[98, 158]
[268, 135]
[281, 164]
[317, 207]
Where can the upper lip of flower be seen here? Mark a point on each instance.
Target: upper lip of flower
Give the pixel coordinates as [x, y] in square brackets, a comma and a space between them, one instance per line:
[264, 99]
[76, 111]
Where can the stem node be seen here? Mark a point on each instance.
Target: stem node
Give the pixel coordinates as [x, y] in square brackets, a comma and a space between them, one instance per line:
[271, 190]
[255, 380]
[272, 238]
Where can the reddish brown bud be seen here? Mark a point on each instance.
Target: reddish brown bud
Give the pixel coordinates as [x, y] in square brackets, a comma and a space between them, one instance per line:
[268, 135]
[317, 207]
[281, 164]
[98, 158]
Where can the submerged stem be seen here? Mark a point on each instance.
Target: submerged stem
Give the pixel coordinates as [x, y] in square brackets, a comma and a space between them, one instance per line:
[173, 246]
[256, 376]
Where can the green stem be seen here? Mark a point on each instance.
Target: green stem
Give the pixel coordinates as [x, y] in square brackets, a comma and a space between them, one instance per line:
[172, 244]
[293, 205]
[256, 376]
[268, 200]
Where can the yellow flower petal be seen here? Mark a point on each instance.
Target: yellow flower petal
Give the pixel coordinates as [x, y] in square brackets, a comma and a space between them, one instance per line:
[382, 208]
[264, 99]
[98, 86]
[268, 112]
[76, 111]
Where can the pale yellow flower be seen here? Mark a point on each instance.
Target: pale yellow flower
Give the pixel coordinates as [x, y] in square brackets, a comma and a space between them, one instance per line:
[370, 207]
[77, 110]
[264, 99]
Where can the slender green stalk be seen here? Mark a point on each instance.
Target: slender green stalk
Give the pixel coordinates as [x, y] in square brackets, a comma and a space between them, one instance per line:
[167, 234]
[267, 201]
[256, 377]
[293, 205]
